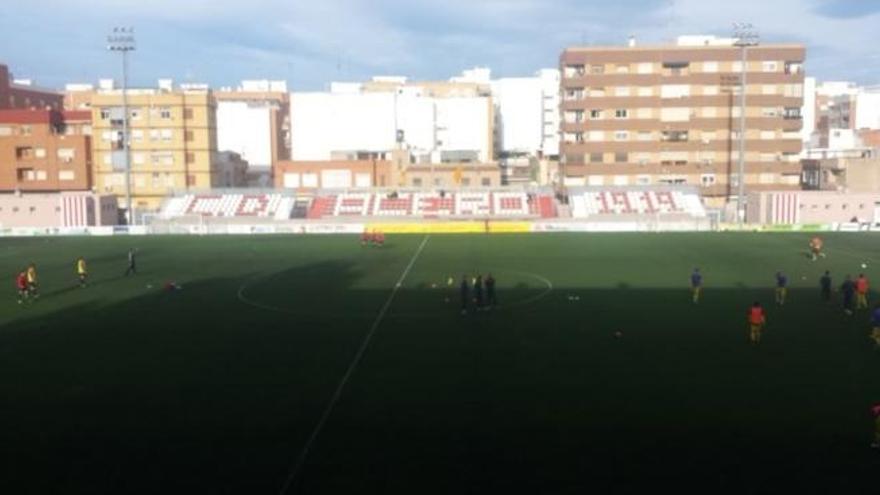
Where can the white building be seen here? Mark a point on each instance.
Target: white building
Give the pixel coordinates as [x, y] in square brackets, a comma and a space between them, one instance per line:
[246, 128]
[325, 125]
[868, 108]
[527, 114]
[252, 121]
[808, 111]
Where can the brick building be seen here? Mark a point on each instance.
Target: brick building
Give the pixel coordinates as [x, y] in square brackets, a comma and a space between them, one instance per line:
[669, 114]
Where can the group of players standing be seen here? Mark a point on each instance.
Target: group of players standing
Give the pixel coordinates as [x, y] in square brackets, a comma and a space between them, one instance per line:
[852, 291]
[484, 297]
[26, 282]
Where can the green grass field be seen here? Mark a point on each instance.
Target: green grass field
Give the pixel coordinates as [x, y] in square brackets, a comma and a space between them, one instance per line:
[217, 388]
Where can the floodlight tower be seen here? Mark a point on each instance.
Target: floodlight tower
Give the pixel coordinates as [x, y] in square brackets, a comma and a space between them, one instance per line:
[746, 35]
[121, 40]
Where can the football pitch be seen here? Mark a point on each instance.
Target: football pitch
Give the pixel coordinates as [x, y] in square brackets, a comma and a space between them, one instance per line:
[311, 364]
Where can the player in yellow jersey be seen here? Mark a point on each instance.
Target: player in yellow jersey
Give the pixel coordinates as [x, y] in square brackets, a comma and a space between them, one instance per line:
[82, 271]
[32, 280]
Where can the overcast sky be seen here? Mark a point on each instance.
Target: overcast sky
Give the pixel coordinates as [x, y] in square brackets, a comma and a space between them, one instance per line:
[312, 42]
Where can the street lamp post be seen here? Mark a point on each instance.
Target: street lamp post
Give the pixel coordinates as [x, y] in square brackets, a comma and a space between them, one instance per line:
[122, 40]
[746, 36]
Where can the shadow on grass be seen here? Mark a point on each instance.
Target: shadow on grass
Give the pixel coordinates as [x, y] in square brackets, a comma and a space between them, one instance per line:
[193, 390]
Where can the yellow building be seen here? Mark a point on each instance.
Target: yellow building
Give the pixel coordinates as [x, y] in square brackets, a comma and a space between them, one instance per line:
[173, 136]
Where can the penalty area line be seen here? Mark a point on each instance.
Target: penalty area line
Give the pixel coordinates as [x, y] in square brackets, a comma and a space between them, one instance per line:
[297, 467]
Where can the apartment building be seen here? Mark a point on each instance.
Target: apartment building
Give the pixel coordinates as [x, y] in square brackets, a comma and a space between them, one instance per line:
[23, 94]
[173, 143]
[45, 150]
[669, 114]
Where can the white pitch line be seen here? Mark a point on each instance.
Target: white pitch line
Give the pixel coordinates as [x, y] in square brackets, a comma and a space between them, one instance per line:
[300, 461]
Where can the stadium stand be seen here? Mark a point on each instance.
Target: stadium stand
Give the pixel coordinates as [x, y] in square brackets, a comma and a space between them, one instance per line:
[433, 204]
[598, 203]
[229, 205]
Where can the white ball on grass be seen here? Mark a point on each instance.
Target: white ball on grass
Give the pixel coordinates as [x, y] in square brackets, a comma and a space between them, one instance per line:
[864, 265]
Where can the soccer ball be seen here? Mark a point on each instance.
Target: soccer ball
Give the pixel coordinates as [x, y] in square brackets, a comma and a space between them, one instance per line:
[864, 265]
[618, 334]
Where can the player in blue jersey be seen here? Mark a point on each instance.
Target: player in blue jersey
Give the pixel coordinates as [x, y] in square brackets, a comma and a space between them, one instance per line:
[697, 284]
[781, 288]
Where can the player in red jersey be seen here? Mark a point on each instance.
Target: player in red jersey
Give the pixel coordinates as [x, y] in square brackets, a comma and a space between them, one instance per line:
[21, 283]
[757, 320]
[379, 238]
[366, 237]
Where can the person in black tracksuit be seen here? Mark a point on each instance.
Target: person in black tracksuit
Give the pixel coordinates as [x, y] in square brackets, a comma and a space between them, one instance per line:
[465, 293]
[478, 292]
[132, 268]
[491, 299]
[825, 284]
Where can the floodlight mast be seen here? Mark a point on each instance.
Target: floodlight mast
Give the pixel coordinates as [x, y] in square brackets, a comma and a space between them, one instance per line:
[746, 35]
[121, 40]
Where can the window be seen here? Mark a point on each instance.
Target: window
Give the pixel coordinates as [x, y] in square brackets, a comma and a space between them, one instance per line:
[574, 70]
[137, 158]
[674, 136]
[597, 69]
[676, 68]
[675, 91]
[644, 136]
[707, 136]
[466, 181]
[736, 67]
[485, 182]
[707, 180]
[769, 66]
[643, 180]
[40, 152]
[577, 137]
[769, 112]
[621, 157]
[135, 113]
[597, 92]
[644, 113]
[596, 158]
[154, 134]
[675, 114]
[191, 180]
[768, 89]
[190, 157]
[794, 67]
[766, 178]
[645, 68]
[710, 67]
[105, 113]
[188, 136]
[66, 155]
[710, 90]
[621, 113]
[621, 180]
[595, 114]
[137, 135]
[25, 174]
[768, 135]
[108, 159]
[710, 112]
[596, 135]
[417, 182]
[25, 130]
[24, 152]
[791, 113]
[66, 175]
[573, 94]
[621, 91]
[621, 136]
[166, 134]
[5, 130]
[646, 91]
[188, 113]
[622, 69]
[41, 175]
[165, 113]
